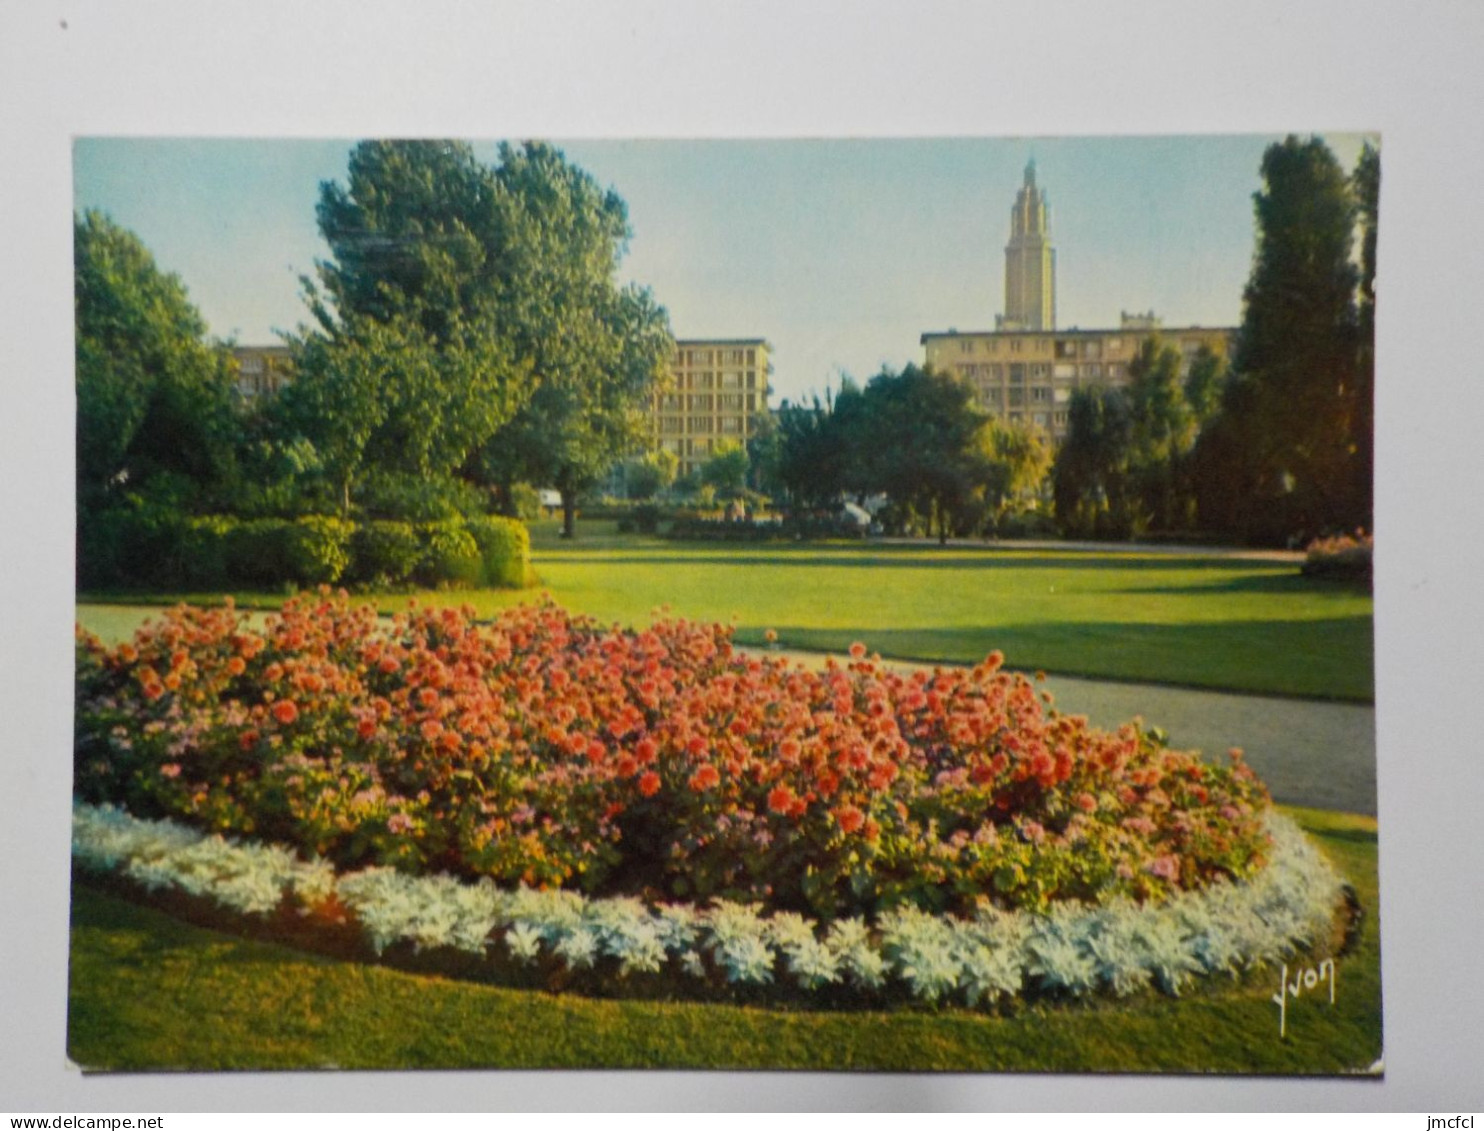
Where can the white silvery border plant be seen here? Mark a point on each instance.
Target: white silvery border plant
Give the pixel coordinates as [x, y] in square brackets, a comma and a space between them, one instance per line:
[1117, 948]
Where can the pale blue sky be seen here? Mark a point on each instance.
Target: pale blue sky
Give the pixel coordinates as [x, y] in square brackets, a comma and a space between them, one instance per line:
[841, 252]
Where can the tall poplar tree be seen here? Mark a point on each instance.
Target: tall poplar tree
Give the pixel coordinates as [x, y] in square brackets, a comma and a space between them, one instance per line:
[1282, 461]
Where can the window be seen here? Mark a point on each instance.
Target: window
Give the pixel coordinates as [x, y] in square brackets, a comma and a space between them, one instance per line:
[1015, 345]
[751, 378]
[729, 400]
[672, 424]
[1040, 419]
[1017, 398]
[731, 379]
[965, 346]
[1059, 417]
[1062, 396]
[1040, 394]
[731, 424]
[1017, 374]
[700, 424]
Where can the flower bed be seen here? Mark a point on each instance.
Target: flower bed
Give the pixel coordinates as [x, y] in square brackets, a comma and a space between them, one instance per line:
[562, 938]
[548, 750]
[1344, 557]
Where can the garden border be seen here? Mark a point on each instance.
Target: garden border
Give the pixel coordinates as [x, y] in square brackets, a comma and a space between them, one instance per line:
[618, 946]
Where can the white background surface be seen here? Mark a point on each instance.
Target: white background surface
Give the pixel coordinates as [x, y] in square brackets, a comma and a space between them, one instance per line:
[1408, 69]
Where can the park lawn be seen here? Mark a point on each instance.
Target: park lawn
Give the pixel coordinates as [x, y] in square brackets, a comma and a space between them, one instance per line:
[149, 992]
[1176, 618]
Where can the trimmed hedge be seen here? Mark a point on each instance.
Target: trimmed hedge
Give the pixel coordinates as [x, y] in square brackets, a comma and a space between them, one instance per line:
[384, 553]
[450, 556]
[162, 548]
[505, 549]
[270, 551]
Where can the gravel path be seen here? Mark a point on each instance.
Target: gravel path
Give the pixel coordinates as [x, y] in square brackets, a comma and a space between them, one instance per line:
[1309, 752]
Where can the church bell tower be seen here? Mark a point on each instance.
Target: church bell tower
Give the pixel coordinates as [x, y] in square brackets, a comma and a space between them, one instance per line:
[1030, 262]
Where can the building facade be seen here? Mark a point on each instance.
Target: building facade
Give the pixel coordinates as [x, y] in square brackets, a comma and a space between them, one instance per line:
[718, 393]
[1028, 377]
[262, 370]
[1030, 262]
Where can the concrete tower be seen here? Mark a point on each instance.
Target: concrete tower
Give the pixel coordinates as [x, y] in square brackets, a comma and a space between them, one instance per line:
[1030, 262]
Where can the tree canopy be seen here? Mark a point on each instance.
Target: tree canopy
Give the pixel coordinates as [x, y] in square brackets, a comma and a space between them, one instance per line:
[405, 371]
[1290, 452]
[597, 351]
[154, 396]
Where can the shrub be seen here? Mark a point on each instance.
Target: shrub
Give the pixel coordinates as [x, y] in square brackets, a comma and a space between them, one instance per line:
[384, 552]
[505, 550]
[202, 555]
[449, 555]
[314, 550]
[525, 501]
[545, 749]
[132, 545]
[1344, 557]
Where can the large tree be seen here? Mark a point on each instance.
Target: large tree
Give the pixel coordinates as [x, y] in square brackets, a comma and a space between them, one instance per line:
[154, 396]
[1091, 481]
[1367, 186]
[407, 369]
[1162, 431]
[598, 350]
[922, 441]
[1284, 459]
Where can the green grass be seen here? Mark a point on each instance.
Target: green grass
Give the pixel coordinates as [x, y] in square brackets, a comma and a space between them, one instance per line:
[1188, 619]
[150, 992]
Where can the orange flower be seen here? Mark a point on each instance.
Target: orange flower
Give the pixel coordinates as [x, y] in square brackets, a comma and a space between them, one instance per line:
[850, 818]
[649, 783]
[285, 711]
[705, 778]
[780, 798]
[626, 765]
[857, 651]
[236, 665]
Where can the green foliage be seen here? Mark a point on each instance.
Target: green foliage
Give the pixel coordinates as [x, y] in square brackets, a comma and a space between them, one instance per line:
[651, 473]
[597, 350]
[449, 555]
[314, 550]
[384, 553]
[1290, 451]
[153, 397]
[415, 498]
[726, 471]
[406, 370]
[129, 545]
[505, 550]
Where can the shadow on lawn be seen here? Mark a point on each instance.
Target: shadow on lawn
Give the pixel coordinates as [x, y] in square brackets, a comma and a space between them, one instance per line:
[872, 557]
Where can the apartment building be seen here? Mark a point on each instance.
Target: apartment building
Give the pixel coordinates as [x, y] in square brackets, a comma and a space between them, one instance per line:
[262, 370]
[1029, 376]
[717, 393]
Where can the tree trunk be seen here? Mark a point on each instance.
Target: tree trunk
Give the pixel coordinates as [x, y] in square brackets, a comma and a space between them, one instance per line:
[569, 513]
